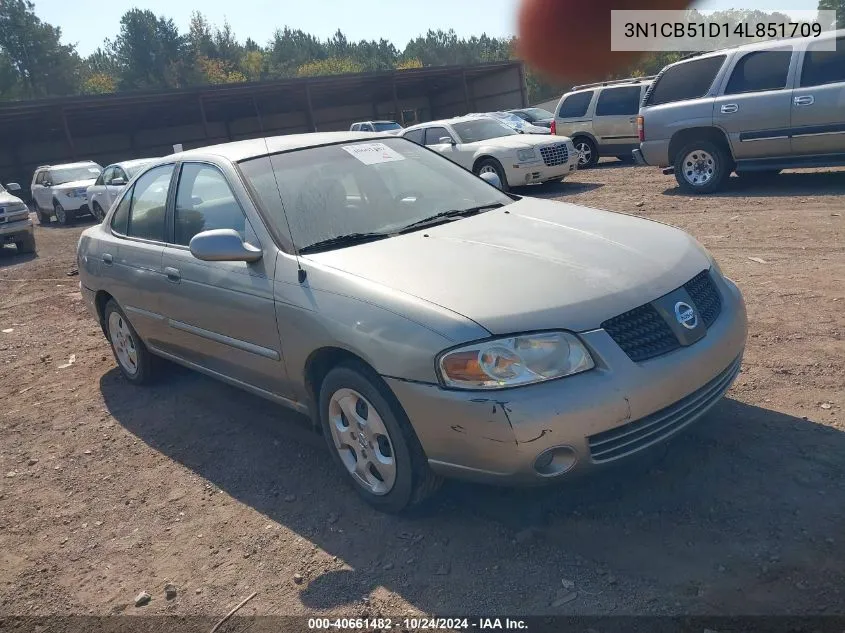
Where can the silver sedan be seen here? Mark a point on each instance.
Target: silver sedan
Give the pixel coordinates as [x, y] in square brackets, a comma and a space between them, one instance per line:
[429, 324]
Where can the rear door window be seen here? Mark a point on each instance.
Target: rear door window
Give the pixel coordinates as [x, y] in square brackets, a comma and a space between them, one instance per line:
[760, 71]
[149, 202]
[575, 105]
[689, 80]
[619, 101]
[823, 67]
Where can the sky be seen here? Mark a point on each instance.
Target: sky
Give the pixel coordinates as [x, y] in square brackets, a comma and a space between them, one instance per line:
[87, 23]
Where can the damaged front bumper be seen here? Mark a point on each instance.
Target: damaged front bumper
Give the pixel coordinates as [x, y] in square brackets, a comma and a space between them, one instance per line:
[543, 432]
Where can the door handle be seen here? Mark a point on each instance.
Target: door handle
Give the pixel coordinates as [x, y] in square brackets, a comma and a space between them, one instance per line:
[173, 274]
[729, 108]
[804, 100]
[107, 258]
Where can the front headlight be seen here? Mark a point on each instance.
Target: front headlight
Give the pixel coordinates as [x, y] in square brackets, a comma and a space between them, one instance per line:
[525, 155]
[514, 360]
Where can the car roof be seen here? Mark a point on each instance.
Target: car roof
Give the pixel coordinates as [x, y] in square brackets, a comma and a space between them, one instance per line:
[133, 162]
[252, 148]
[84, 163]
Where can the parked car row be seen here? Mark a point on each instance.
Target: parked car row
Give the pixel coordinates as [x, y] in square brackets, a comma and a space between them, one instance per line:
[754, 110]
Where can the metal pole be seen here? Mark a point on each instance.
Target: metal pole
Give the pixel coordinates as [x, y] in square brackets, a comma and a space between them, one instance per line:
[68, 136]
[310, 112]
[258, 115]
[204, 120]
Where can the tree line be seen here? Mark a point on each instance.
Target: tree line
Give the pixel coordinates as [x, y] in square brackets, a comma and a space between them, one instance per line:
[149, 52]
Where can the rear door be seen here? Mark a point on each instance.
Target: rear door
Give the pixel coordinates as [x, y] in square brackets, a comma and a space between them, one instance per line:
[753, 107]
[221, 315]
[130, 257]
[818, 101]
[573, 114]
[615, 122]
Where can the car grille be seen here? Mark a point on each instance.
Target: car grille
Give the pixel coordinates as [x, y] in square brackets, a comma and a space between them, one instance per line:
[634, 436]
[556, 154]
[642, 333]
[706, 296]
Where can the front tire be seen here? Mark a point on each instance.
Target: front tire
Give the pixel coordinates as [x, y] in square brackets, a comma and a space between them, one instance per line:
[63, 216]
[702, 167]
[133, 359]
[26, 245]
[97, 212]
[491, 165]
[588, 152]
[371, 439]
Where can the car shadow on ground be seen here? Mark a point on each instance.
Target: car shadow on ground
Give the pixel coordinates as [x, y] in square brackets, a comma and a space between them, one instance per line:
[782, 185]
[743, 487]
[9, 256]
[84, 220]
[556, 189]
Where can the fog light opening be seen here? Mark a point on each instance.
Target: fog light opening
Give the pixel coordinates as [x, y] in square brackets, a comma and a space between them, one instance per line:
[555, 461]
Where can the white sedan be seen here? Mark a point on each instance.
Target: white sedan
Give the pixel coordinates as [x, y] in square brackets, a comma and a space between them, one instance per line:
[485, 145]
[110, 183]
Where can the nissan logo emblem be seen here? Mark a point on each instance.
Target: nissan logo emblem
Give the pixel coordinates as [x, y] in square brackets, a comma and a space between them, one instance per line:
[685, 315]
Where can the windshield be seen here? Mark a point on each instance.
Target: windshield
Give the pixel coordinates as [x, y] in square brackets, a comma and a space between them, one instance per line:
[538, 114]
[383, 126]
[361, 187]
[71, 174]
[511, 120]
[481, 130]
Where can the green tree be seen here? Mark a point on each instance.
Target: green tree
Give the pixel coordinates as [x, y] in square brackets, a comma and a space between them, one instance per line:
[150, 52]
[33, 61]
[330, 66]
[835, 5]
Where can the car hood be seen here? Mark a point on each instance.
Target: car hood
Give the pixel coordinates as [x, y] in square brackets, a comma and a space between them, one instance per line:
[8, 198]
[517, 141]
[532, 265]
[75, 184]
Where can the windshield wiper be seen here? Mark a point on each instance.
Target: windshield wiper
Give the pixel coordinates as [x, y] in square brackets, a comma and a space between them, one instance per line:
[343, 240]
[446, 216]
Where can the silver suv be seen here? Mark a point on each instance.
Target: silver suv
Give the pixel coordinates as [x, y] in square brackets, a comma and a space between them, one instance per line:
[601, 119]
[754, 110]
[62, 190]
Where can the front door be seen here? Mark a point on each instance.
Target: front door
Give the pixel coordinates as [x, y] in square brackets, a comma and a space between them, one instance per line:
[115, 183]
[221, 315]
[40, 194]
[754, 107]
[615, 121]
[818, 101]
[434, 139]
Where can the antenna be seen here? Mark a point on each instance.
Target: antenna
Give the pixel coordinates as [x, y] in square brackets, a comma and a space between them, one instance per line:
[301, 274]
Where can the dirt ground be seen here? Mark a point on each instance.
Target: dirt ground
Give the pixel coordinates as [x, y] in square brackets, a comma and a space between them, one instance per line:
[107, 490]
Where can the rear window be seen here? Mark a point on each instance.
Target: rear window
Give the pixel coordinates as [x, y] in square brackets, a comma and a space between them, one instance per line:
[618, 101]
[575, 105]
[689, 80]
[823, 67]
[759, 71]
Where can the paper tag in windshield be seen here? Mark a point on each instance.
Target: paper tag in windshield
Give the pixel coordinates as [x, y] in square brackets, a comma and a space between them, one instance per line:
[373, 153]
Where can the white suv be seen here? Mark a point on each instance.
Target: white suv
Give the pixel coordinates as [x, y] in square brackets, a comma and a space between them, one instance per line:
[62, 190]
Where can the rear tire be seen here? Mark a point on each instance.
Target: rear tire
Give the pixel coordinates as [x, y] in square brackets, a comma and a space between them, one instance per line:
[26, 245]
[133, 359]
[365, 426]
[588, 152]
[492, 164]
[702, 167]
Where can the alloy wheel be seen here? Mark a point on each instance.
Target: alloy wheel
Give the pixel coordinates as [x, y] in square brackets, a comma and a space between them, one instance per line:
[699, 168]
[362, 441]
[124, 344]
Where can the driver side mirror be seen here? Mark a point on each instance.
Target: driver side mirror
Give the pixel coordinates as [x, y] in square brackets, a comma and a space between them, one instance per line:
[118, 182]
[223, 245]
[492, 179]
[13, 186]
[446, 140]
